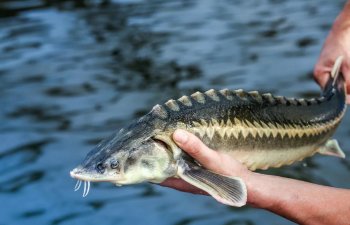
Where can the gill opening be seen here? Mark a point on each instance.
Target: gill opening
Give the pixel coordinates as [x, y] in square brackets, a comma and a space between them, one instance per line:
[164, 145]
[166, 141]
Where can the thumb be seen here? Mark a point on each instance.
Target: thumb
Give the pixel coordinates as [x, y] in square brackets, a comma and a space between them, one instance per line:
[195, 148]
[321, 74]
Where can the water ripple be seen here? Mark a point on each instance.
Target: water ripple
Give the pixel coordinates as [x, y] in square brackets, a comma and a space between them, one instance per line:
[74, 71]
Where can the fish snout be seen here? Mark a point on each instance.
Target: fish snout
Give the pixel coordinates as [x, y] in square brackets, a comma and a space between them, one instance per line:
[78, 173]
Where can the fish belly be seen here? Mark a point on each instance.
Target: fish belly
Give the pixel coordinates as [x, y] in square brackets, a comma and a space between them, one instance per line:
[264, 159]
[262, 148]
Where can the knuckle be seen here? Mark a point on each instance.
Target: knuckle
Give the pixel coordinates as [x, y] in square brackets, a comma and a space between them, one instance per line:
[317, 73]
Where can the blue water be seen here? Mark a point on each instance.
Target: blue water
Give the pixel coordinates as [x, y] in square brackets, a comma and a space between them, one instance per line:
[72, 72]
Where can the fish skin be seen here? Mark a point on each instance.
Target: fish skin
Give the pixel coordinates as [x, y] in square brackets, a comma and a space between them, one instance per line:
[311, 121]
[262, 122]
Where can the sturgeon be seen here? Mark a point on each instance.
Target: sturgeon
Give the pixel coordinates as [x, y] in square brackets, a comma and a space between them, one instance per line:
[259, 130]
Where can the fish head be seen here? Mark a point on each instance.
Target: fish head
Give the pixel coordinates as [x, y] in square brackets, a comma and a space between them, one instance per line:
[128, 157]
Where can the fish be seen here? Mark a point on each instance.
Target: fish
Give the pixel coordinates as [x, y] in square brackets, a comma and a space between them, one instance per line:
[259, 130]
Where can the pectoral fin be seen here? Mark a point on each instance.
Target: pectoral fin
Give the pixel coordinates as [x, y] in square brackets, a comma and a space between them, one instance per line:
[332, 148]
[227, 190]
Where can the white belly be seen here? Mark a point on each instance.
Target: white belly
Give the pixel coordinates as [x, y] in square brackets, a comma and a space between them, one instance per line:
[263, 159]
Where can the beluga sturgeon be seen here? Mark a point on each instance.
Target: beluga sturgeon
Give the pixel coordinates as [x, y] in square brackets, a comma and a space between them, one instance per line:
[258, 130]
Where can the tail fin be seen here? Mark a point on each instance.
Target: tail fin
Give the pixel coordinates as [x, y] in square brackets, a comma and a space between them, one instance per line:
[336, 81]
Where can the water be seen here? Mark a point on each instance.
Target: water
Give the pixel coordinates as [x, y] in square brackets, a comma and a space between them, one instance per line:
[72, 72]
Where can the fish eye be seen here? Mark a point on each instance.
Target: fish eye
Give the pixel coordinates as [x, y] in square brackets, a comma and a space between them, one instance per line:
[100, 168]
[114, 164]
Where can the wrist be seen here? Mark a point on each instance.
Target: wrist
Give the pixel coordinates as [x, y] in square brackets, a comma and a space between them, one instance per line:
[342, 22]
[260, 190]
[252, 180]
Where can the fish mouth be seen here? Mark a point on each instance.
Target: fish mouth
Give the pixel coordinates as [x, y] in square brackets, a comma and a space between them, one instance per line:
[92, 177]
[86, 177]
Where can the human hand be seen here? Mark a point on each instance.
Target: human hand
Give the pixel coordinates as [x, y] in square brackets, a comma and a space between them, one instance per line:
[337, 44]
[298, 201]
[212, 160]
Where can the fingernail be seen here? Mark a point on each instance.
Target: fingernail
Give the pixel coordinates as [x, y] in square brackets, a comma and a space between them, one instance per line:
[180, 136]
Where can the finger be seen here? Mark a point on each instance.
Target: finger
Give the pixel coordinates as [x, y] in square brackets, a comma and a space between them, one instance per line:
[346, 73]
[321, 75]
[322, 79]
[195, 147]
[348, 90]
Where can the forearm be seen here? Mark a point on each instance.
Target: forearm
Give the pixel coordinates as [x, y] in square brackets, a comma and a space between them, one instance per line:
[301, 202]
[343, 20]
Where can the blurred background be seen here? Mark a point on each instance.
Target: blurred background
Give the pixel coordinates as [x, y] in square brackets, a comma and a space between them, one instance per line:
[72, 72]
